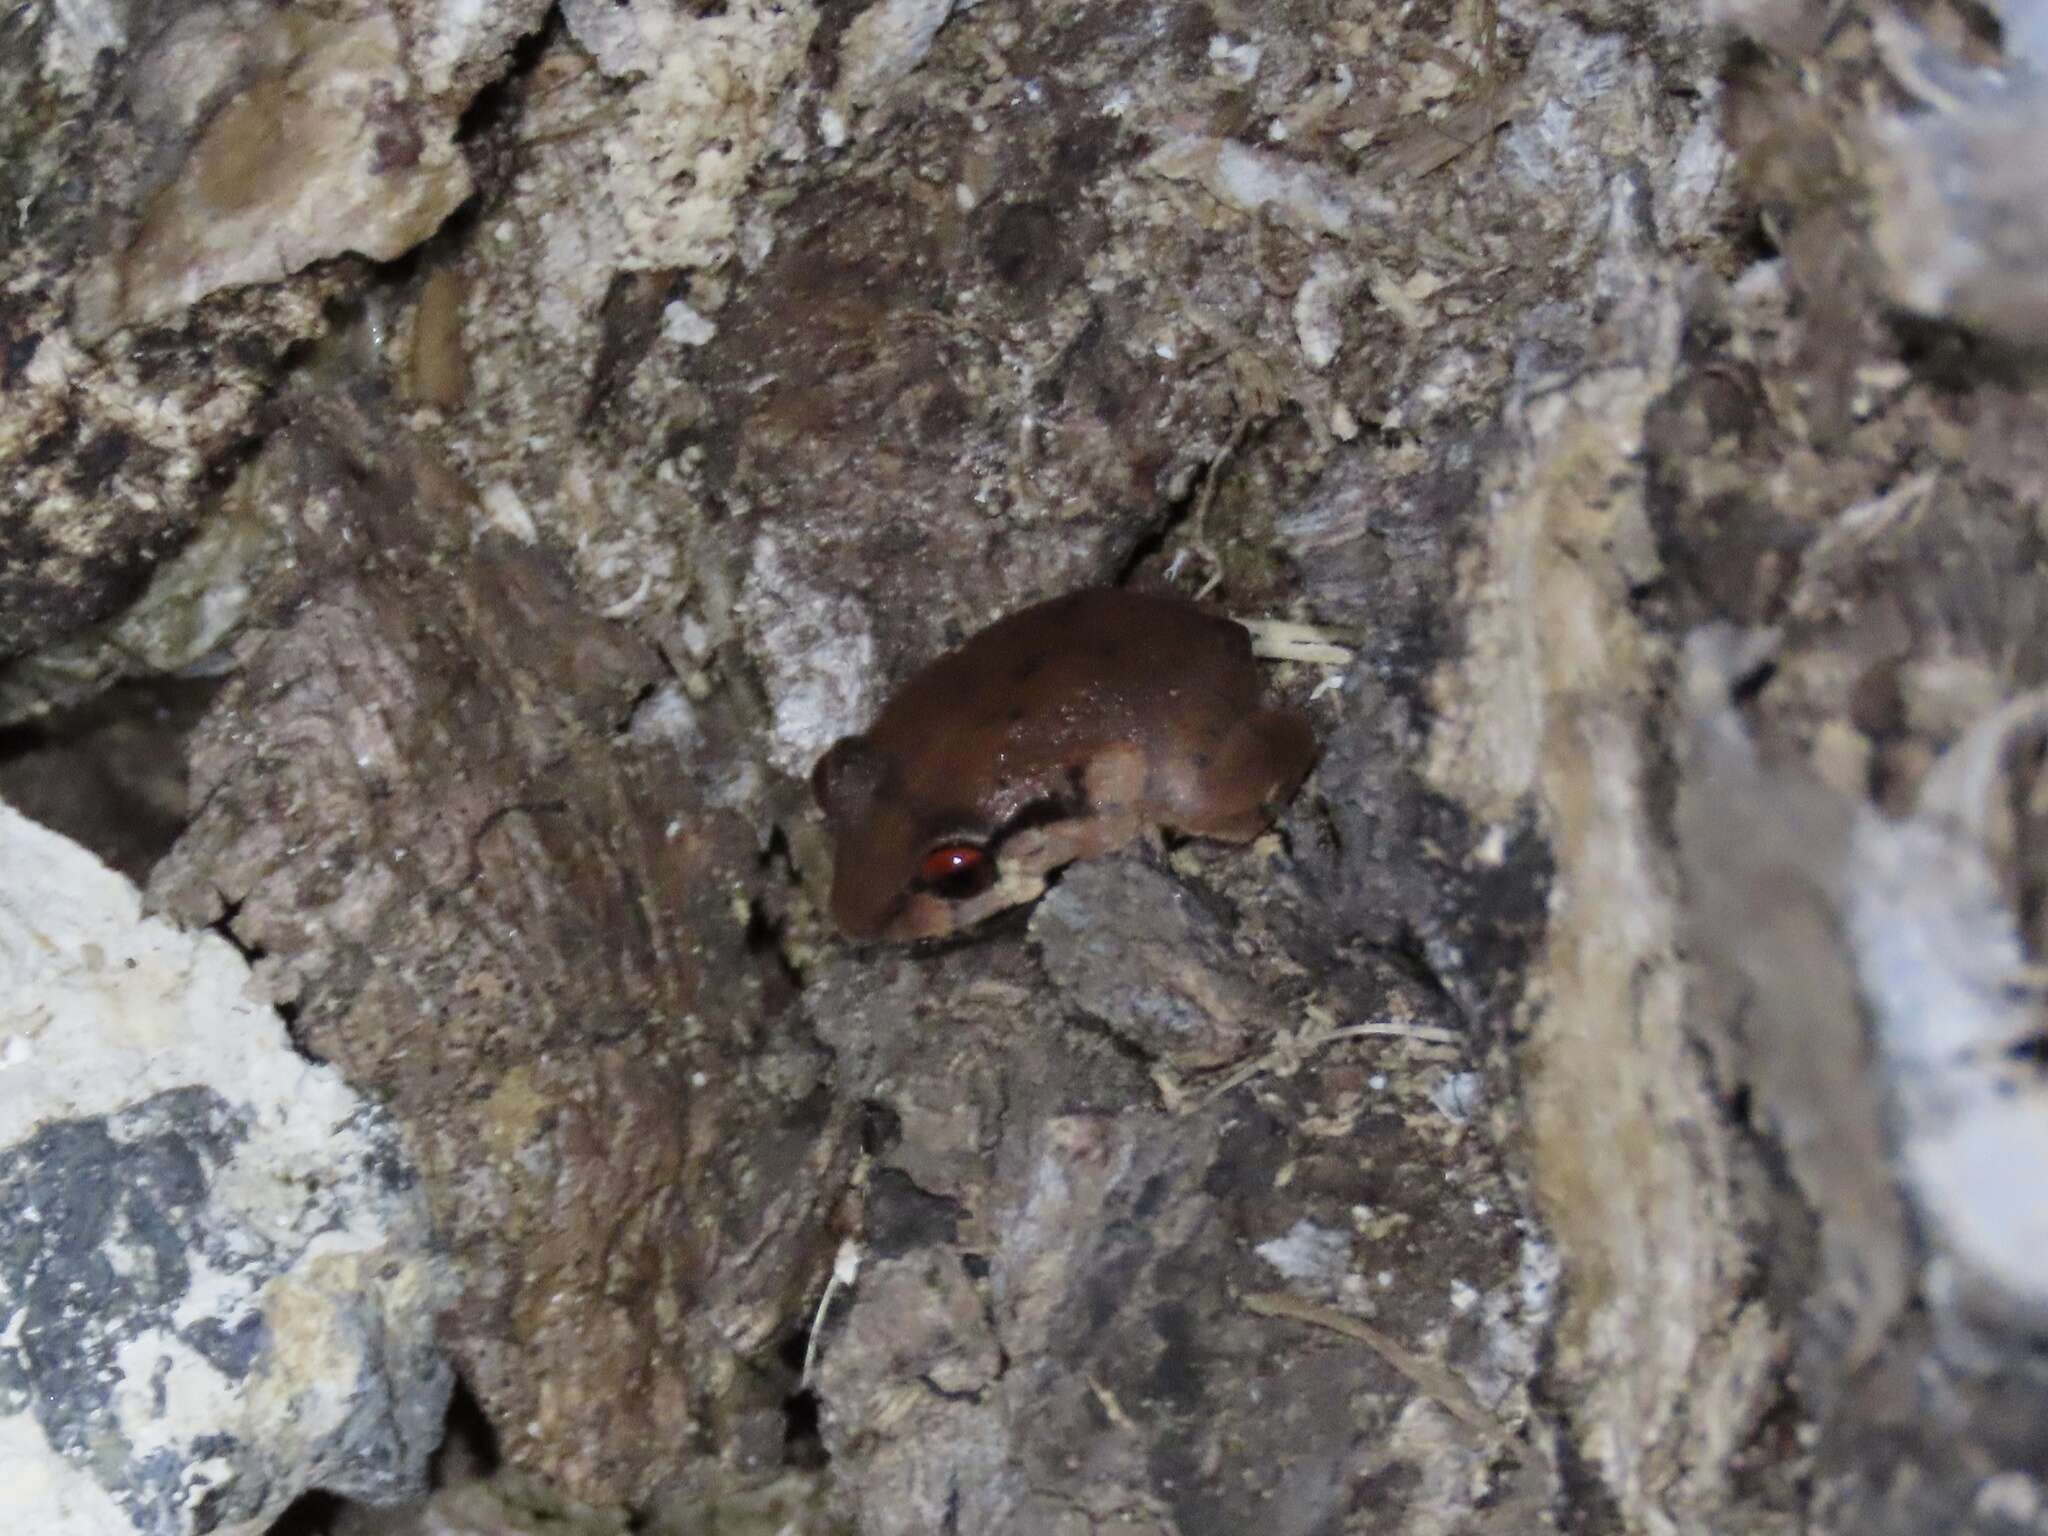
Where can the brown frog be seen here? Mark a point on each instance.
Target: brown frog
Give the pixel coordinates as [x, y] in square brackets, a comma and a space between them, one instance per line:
[1060, 732]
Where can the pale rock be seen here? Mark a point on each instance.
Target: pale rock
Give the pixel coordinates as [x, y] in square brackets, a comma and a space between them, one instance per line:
[1306, 197]
[883, 44]
[1938, 951]
[695, 117]
[817, 653]
[1309, 1254]
[327, 148]
[1319, 309]
[217, 1285]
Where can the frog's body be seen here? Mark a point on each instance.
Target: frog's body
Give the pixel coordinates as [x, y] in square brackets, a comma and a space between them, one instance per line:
[1057, 733]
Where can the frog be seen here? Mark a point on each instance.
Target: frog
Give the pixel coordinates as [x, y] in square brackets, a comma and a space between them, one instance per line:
[1064, 731]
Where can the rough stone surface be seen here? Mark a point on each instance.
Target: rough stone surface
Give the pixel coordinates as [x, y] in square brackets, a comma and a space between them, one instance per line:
[110, 776]
[1049, 1324]
[1933, 918]
[1136, 949]
[514, 1503]
[1959, 220]
[1872, 606]
[322, 147]
[215, 1264]
[499, 898]
[1552, 1165]
[150, 156]
[1628, 1161]
[1764, 851]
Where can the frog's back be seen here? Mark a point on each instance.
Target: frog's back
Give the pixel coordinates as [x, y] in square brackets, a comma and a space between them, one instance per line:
[1063, 676]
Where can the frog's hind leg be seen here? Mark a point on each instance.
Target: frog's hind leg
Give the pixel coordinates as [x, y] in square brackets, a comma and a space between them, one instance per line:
[1231, 792]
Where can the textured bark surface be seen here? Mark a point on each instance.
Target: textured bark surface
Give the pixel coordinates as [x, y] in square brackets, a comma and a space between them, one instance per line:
[1539, 1130]
[466, 827]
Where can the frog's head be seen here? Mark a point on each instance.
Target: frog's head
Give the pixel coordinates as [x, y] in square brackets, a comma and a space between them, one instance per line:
[906, 865]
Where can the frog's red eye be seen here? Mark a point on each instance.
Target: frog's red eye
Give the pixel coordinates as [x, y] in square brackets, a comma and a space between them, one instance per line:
[957, 870]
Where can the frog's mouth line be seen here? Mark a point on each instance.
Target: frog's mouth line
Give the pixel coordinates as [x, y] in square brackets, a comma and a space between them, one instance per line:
[1009, 920]
[1026, 851]
[1067, 805]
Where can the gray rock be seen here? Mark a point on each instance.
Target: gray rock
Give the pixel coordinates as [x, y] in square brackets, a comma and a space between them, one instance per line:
[1959, 188]
[1135, 948]
[216, 1283]
[1939, 950]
